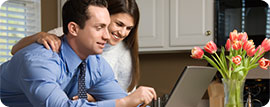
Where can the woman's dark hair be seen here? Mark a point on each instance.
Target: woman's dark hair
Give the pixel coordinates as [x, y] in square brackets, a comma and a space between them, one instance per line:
[131, 41]
[76, 11]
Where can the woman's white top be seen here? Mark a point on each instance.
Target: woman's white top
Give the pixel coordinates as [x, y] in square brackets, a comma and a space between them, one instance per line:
[118, 56]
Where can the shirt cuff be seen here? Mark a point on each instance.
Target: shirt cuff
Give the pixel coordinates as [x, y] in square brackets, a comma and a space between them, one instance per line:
[106, 103]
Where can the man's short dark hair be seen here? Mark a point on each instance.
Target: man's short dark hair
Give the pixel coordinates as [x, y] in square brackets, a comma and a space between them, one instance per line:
[76, 11]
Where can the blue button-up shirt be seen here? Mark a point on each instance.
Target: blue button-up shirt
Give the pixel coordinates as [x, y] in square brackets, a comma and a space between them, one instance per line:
[39, 77]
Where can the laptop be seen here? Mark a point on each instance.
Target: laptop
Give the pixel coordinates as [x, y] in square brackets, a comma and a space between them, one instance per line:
[191, 86]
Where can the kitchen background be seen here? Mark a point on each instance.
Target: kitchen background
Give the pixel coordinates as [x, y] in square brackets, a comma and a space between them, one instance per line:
[168, 31]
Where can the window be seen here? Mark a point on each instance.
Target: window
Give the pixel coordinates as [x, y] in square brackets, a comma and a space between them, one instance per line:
[268, 20]
[268, 23]
[18, 18]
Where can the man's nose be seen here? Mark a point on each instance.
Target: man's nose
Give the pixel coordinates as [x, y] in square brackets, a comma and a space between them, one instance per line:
[106, 34]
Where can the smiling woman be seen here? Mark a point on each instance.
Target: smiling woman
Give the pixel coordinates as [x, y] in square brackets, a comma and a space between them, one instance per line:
[18, 18]
[121, 25]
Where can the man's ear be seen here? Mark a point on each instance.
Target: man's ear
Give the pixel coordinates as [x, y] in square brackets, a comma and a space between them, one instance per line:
[73, 28]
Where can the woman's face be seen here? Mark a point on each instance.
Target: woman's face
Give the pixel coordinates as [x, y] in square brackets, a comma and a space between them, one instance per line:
[119, 28]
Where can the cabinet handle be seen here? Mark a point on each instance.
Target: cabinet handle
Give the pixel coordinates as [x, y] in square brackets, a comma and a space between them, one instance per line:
[208, 33]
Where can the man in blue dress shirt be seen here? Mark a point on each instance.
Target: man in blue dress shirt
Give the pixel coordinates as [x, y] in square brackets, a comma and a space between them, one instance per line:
[39, 77]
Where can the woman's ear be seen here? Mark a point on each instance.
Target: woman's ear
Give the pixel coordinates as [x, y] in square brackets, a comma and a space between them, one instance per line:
[73, 28]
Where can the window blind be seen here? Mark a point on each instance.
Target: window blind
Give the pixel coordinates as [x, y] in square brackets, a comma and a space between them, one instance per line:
[18, 18]
[268, 23]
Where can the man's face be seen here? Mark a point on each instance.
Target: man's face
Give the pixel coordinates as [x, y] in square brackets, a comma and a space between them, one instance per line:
[93, 37]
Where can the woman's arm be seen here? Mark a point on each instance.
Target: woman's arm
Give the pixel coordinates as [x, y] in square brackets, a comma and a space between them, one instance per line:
[48, 40]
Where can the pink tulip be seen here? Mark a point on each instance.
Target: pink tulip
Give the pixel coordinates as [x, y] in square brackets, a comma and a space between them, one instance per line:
[237, 59]
[228, 45]
[197, 53]
[237, 45]
[248, 45]
[242, 37]
[264, 63]
[210, 47]
[233, 36]
[266, 44]
[251, 51]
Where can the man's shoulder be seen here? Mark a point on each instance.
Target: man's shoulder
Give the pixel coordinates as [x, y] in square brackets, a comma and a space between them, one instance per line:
[36, 51]
[35, 58]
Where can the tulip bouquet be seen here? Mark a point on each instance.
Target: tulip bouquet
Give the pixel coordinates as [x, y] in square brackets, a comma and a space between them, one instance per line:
[242, 57]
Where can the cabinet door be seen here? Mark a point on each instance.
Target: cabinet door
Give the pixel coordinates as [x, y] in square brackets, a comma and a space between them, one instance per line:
[152, 26]
[189, 22]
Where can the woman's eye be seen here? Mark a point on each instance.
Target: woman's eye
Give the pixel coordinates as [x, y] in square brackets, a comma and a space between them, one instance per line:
[119, 24]
[129, 28]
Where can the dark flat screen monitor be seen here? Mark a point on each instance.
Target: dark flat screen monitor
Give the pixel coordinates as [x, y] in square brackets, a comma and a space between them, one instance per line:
[251, 16]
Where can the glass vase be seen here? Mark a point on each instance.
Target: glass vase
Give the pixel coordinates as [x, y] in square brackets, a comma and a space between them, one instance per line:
[233, 91]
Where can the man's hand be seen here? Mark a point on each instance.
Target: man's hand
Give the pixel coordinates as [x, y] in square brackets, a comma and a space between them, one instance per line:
[90, 98]
[143, 95]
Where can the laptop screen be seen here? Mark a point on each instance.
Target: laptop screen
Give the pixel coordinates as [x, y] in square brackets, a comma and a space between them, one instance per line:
[191, 86]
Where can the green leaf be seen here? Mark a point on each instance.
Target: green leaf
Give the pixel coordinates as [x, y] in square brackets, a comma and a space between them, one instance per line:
[252, 66]
[240, 74]
[218, 62]
[211, 62]
[229, 58]
[244, 61]
[256, 58]
[244, 53]
[222, 57]
[215, 65]
[239, 68]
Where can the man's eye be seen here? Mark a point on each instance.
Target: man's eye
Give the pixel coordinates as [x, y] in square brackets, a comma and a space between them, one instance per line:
[99, 27]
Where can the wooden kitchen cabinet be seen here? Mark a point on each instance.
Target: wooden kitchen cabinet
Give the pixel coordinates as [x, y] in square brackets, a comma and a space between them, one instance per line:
[154, 23]
[167, 25]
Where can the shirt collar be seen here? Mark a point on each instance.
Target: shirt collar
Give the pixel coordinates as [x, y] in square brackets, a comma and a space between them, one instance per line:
[69, 56]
